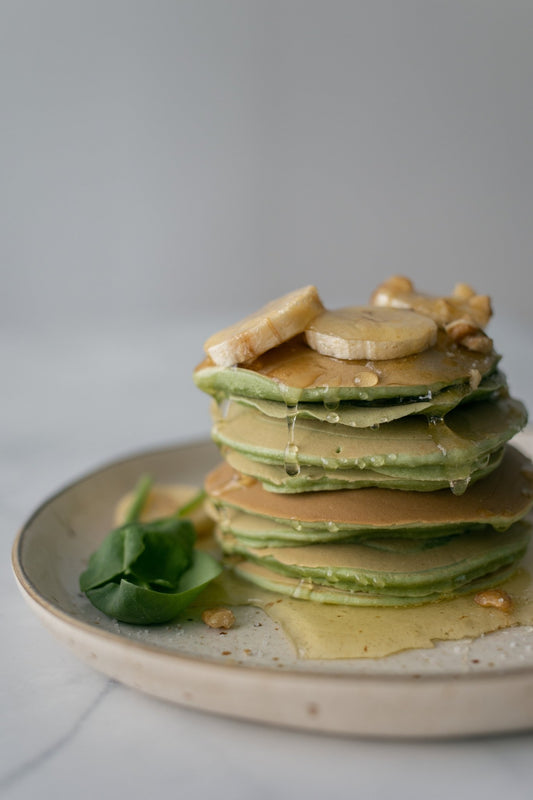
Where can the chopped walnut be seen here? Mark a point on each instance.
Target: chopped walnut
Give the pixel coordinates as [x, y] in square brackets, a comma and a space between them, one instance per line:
[219, 618]
[465, 332]
[494, 598]
[481, 307]
[463, 315]
[439, 308]
[457, 329]
[478, 342]
[463, 291]
[399, 284]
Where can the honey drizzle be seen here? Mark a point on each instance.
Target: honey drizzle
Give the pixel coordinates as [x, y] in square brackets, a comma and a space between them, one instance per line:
[291, 463]
[440, 432]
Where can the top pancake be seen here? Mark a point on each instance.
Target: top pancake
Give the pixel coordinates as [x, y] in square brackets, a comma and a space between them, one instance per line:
[293, 372]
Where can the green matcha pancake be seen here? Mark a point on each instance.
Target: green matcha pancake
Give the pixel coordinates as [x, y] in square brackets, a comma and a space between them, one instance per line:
[293, 373]
[331, 595]
[280, 478]
[368, 415]
[466, 434]
[244, 508]
[366, 449]
[363, 574]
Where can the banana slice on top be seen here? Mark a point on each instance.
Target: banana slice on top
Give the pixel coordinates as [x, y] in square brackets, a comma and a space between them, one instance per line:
[371, 333]
[273, 324]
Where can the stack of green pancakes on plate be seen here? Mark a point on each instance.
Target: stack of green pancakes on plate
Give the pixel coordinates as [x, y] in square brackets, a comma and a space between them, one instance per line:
[366, 455]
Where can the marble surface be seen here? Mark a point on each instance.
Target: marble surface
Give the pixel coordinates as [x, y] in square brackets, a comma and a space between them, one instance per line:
[72, 399]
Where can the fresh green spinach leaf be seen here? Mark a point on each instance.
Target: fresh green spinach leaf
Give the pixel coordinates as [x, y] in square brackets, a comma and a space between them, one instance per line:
[128, 602]
[147, 572]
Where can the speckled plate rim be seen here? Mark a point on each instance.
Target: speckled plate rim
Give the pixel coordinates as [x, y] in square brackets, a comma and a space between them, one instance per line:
[384, 706]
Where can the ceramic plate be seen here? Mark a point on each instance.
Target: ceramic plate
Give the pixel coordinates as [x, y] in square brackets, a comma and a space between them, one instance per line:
[252, 671]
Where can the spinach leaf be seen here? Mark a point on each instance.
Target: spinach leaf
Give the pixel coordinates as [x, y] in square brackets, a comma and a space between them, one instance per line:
[167, 553]
[140, 496]
[139, 605]
[147, 572]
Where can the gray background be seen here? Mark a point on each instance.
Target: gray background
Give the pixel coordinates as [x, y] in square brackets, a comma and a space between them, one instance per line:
[198, 158]
[163, 167]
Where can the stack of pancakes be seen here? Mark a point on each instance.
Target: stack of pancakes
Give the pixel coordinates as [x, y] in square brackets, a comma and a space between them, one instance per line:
[358, 481]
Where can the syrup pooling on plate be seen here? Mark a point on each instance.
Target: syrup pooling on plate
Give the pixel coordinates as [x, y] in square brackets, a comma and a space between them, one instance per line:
[339, 632]
[325, 632]
[425, 411]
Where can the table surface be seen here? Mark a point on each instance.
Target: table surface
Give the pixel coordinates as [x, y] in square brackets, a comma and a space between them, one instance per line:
[72, 400]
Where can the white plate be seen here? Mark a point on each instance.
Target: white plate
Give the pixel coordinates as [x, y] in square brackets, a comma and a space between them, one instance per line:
[252, 672]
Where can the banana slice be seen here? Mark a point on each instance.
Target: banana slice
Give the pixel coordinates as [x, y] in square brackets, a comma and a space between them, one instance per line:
[273, 324]
[372, 333]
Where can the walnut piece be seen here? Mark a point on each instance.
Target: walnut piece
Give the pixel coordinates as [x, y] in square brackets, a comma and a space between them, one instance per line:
[457, 329]
[465, 332]
[494, 598]
[479, 343]
[463, 291]
[219, 618]
[463, 315]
